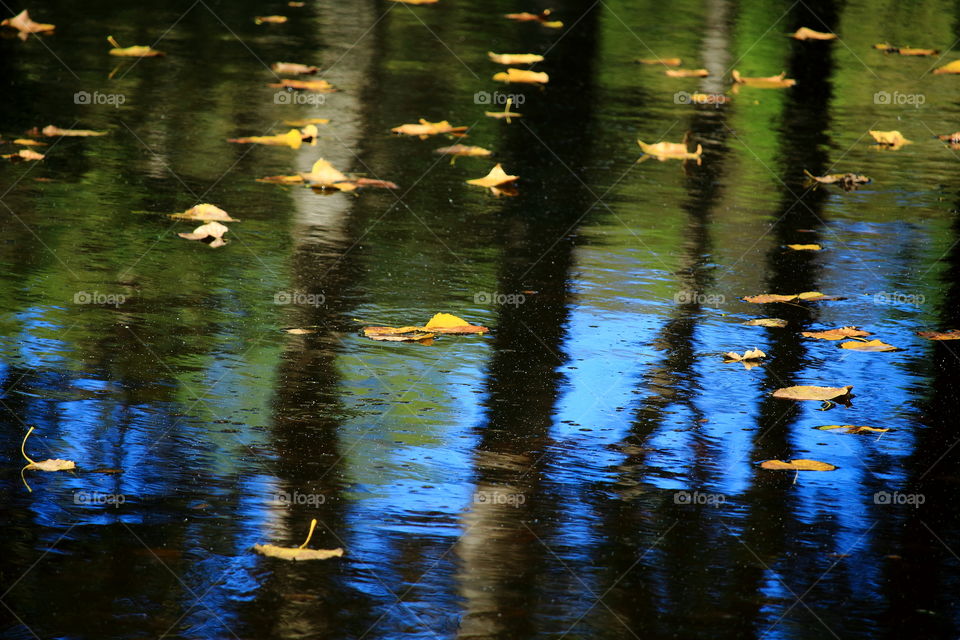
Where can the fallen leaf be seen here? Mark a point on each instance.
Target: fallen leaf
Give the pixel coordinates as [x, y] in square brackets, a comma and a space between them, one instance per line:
[317, 86]
[804, 247]
[514, 58]
[766, 322]
[293, 67]
[398, 334]
[210, 233]
[752, 354]
[27, 142]
[836, 334]
[300, 332]
[51, 131]
[812, 393]
[440, 323]
[906, 51]
[951, 67]
[952, 334]
[205, 212]
[298, 553]
[708, 98]
[848, 181]
[686, 73]
[22, 23]
[136, 51]
[292, 138]
[323, 174]
[542, 18]
[370, 182]
[789, 297]
[803, 33]
[869, 345]
[770, 82]
[667, 150]
[525, 76]
[667, 62]
[463, 150]
[849, 428]
[891, 139]
[44, 465]
[270, 19]
[506, 114]
[24, 154]
[425, 128]
[799, 464]
[448, 323]
[497, 177]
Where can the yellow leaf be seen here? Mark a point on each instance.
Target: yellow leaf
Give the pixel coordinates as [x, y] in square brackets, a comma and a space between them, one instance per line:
[293, 67]
[686, 73]
[136, 51]
[425, 128]
[667, 62]
[298, 553]
[667, 150]
[22, 23]
[805, 247]
[951, 67]
[495, 178]
[317, 86]
[893, 139]
[803, 33]
[766, 322]
[292, 139]
[836, 334]
[463, 150]
[204, 212]
[849, 428]
[270, 19]
[522, 76]
[752, 354]
[799, 464]
[211, 233]
[812, 393]
[770, 82]
[52, 131]
[448, 323]
[871, 345]
[514, 58]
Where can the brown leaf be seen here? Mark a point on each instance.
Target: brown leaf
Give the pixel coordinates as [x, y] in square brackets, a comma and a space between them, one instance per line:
[205, 212]
[905, 51]
[417, 1]
[543, 18]
[849, 181]
[803, 33]
[463, 150]
[397, 334]
[799, 464]
[813, 393]
[952, 334]
[294, 67]
[210, 233]
[766, 322]
[667, 62]
[752, 354]
[514, 58]
[836, 334]
[870, 345]
[770, 82]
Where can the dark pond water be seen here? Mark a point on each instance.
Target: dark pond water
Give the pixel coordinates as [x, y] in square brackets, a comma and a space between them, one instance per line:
[588, 469]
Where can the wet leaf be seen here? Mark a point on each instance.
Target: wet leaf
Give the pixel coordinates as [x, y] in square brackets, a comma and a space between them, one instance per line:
[316, 86]
[463, 150]
[813, 393]
[27, 142]
[298, 553]
[799, 464]
[44, 465]
[667, 62]
[543, 18]
[270, 19]
[804, 247]
[524, 76]
[670, 150]
[766, 322]
[686, 73]
[514, 58]
[870, 345]
[836, 334]
[371, 182]
[848, 181]
[952, 334]
[506, 114]
[440, 323]
[951, 67]
[23, 154]
[425, 129]
[51, 131]
[323, 174]
[891, 139]
[905, 51]
[210, 233]
[769, 82]
[22, 23]
[849, 428]
[803, 33]
[293, 138]
[300, 332]
[136, 51]
[205, 212]
[293, 67]
[789, 297]
[496, 177]
[751, 354]
[398, 334]
[448, 323]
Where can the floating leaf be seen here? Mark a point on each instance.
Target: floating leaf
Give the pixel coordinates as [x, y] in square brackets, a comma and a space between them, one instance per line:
[44, 465]
[398, 334]
[951, 67]
[210, 233]
[205, 212]
[24, 154]
[497, 177]
[440, 323]
[506, 114]
[22, 23]
[270, 19]
[803, 33]
[425, 129]
[667, 62]
[686, 73]
[27, 142]
[752, 354]
[514, 58]
[770, 82]
[543, 18]
[300, 332]
[789, 297]
[294, 67]
[766, 322]
[892, 139]
[670, 150]
[526, 76]
[136, 51]
[869, 345]
[799, 464]
[317, 86]
[804, 247]
[905, 51]
[51, 131]
[952, 334]
[292, 138]
[463, 150]
[836, 334]
[298, 553]
[849, 428]
[813, 393]
[448, 323]
[848, 181]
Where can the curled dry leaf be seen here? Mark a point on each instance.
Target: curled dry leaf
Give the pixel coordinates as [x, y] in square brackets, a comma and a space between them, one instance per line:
[136, 51]
[543, 18]
[804, 247]
[424, 129]
[667, 62]
[799, 464]
[25, 26]
[670, 150]
[463, 150]
[836, 334]
[803, 33]
[210, 233]
[514, 58]
[298, 553]
[779, 81]
[270, 19]
[525, 76]
[905, 51]
[686, 73]
[868, 345]
[890, 139]
[51, 131]
[294, 67]
[204, 212]
[809, 296]
[849, 428]
[752, 354]
[950, 67]
[952, 334]
[813, 393]
[23, 154]
[766, 322]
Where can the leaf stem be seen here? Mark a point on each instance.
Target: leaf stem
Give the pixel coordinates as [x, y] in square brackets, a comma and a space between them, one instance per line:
[23, 444]
[313, 525]
[115, 44]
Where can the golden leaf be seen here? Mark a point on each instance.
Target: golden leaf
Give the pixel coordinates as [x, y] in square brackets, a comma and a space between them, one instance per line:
[812, 393]
[799, 464]
[495, 178]
[514, 58]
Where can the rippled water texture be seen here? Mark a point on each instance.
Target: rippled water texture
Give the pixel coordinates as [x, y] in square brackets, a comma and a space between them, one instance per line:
[590, 468]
